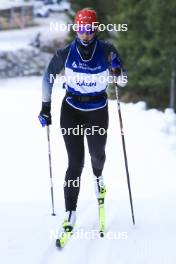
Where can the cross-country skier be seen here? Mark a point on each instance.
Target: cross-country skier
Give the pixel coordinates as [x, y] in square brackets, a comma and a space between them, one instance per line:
[86, 61]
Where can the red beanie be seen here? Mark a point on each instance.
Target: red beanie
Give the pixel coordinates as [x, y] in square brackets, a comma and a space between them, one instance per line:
[85, 16]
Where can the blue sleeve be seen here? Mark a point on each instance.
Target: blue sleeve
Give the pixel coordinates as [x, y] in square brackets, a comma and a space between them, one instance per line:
[55, 66]
[112, 56]
[115, 61]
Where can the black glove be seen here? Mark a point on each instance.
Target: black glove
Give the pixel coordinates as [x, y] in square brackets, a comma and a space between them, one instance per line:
[45, 115]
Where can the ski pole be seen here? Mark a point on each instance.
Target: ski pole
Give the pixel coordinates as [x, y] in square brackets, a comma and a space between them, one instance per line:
[124, 151]
[50, 168]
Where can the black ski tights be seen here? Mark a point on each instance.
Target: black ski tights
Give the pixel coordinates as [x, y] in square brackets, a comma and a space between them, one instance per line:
[74, 124]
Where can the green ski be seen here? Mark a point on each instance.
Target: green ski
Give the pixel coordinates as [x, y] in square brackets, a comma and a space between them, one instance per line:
[65, 235]
[101, 208]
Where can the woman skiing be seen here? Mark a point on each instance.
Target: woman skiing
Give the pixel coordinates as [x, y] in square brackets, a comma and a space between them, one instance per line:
[87, 61]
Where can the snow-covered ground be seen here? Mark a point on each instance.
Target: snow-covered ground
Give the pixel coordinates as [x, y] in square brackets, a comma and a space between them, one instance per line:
[28, 230]
[21, 38]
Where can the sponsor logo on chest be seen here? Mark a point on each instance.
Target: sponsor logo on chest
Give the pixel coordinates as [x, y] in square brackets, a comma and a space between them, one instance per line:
[85, 66]
[87, 84]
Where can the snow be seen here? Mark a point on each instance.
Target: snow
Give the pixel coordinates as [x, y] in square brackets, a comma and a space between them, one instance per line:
[28, 230]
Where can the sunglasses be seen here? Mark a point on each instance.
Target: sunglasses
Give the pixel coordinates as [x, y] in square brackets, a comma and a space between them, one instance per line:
[87, 30]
